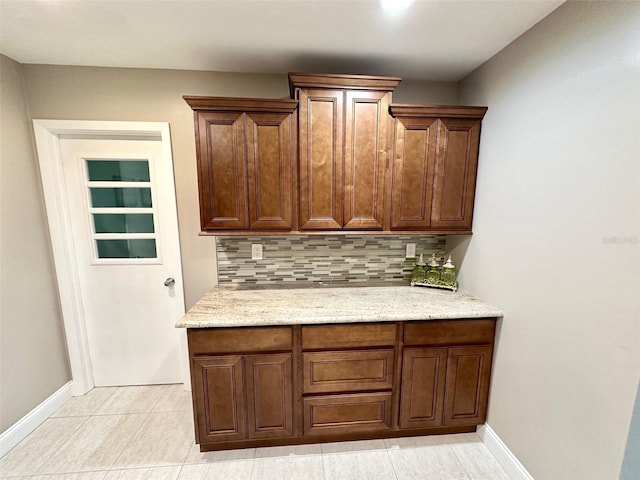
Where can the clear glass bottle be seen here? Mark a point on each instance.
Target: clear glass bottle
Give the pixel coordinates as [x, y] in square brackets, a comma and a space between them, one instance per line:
[448, 275]
[433, 271]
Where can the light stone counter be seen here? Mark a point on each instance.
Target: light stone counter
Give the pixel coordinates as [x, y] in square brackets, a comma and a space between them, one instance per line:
[226, 306]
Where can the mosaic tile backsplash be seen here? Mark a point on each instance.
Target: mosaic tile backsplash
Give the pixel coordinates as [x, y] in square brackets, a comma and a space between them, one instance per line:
[322, 258]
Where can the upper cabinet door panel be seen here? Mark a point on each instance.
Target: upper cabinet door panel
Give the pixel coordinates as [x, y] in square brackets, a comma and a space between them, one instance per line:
[455, 173]
[412, 173]
[321, 158]
[269, 163]
[366, 128]
[222, 174]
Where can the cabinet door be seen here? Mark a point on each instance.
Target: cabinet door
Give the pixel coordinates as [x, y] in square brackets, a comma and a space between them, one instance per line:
[222, 172]
[423, 384]
[269, 170]
[455, 173]
[467, 385]
[321, 157]
[269, 395]
[412, 173]
[366, 126]
[219, 400]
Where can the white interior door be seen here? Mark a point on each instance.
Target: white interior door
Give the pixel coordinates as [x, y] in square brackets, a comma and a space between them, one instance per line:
[121, 200]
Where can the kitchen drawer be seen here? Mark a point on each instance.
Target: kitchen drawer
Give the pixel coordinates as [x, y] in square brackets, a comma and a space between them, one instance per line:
[239, 340]
[452, 332]
[348, 371]
[342, 336]
[335, 414]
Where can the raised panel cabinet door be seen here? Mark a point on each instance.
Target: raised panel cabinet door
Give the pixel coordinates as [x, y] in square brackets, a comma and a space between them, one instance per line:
[222, 170]
[455, 173]
[366, 128]
[321, 126]
[423, 386]
[269, 395]
[412, 173]
[219, 401]
[269, 159]
[467, 390]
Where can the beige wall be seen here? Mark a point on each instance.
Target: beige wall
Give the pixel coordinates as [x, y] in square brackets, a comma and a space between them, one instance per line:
[85, 93]
[33, 354]
[556, 239]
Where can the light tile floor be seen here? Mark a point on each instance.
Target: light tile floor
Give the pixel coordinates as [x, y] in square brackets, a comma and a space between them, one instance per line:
[140, 433]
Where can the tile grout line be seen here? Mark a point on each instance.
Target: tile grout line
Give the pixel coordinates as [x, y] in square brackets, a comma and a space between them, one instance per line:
[393, 468]
[37, 472]
[464, 467]
[130, 438]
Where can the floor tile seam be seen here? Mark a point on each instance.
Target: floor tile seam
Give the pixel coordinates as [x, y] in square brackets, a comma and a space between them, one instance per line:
[506, 475]
[115, 389]
[166, 389]
[124, 449]
[50, 456]
[393, 467]
[464, 467]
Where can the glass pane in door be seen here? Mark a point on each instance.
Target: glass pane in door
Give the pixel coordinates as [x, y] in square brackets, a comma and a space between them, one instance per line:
[130, 248]
[121, 197]
[118, 170]
[123, 222]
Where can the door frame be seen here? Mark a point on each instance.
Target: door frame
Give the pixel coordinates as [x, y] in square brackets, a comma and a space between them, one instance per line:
[47, 138]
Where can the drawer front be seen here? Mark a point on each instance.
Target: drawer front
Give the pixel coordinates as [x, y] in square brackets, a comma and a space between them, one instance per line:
[348, 371]
[239, 340]
[453, 332]
[335, 414]
[342, 336]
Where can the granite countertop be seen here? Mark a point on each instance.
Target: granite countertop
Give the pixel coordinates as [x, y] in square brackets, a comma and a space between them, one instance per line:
[228, 306]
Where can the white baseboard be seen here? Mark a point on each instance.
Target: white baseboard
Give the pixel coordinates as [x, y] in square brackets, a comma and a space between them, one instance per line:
[503, 455]
[27, 424]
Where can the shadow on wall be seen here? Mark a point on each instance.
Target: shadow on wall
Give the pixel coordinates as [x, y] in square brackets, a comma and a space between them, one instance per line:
[631, 462]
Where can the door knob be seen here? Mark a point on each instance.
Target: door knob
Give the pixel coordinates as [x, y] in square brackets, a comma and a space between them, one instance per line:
[169, 282]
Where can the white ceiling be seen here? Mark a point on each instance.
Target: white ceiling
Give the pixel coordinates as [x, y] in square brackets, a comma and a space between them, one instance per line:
[435, 40]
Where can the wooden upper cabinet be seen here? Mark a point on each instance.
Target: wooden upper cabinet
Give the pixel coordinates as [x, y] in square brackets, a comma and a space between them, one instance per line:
[412, 173]
[222, 170]
[246, 159]
[366, 128]
[269, 162]
[455, 173]
[321, 130]
[343, 127]
[434, 167]
[347, 160]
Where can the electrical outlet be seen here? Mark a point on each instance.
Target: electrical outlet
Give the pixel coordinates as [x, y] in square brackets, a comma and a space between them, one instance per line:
[411, 250]
[256, 251]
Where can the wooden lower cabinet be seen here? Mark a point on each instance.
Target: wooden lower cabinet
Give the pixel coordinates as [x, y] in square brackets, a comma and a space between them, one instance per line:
[349, 413]
[422, 387]
[262, 386]
[468, 374]
[220, 388]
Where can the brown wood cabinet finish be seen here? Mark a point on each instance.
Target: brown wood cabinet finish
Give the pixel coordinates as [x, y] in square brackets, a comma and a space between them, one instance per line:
[321, 130]
[259, 386]
[435, 164]
[423, 382]
[246, 158]
[468, 377]
[412, 173]
[343, 142]
[269, 395]
[217, 391]
[348, 160]
[348, 371]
